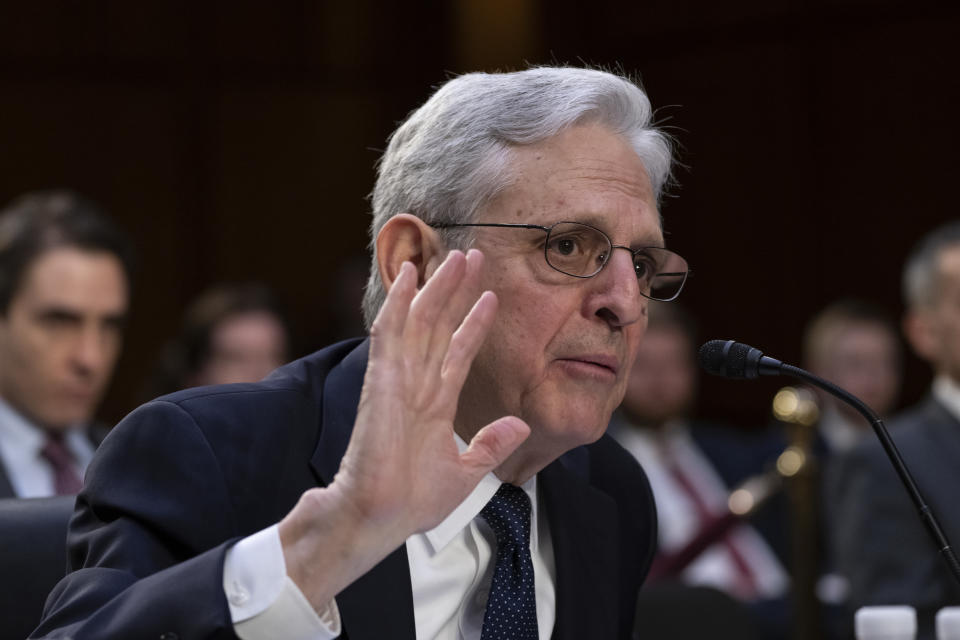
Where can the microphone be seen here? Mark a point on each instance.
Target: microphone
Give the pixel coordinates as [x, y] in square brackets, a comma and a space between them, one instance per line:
[731, 359]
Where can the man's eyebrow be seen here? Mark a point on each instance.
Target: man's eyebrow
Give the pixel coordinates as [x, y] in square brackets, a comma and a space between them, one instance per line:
[73, 315]
[650, 240]
[58, 313]
[118, 320]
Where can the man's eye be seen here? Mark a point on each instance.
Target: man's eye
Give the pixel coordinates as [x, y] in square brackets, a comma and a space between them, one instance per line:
[566, 246]
[644, 266]
[57, 321]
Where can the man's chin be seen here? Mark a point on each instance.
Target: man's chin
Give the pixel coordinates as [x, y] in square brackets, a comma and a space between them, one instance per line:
[65, 420]
[571, 432]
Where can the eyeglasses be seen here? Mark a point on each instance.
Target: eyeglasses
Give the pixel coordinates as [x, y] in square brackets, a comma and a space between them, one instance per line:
[582, 251]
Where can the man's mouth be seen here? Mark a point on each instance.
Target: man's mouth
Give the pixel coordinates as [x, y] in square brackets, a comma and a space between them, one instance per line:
[599, 362]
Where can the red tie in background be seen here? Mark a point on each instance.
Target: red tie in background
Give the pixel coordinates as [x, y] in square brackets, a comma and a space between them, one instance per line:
[745, 586]
[66, 480]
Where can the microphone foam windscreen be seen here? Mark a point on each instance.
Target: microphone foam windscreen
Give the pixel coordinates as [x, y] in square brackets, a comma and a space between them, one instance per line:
[711, 356]
[736, 361]
[724, 358]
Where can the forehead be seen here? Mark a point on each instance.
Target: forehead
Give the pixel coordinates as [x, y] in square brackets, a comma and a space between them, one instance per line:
[858, 334]
[949, 263]
[587, 174]
[75, 278]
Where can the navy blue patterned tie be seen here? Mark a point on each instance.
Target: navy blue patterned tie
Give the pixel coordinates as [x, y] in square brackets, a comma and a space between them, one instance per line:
[511, 612]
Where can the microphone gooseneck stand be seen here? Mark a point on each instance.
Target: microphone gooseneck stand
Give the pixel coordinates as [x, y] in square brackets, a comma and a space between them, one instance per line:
[731, 359]
[923, 509]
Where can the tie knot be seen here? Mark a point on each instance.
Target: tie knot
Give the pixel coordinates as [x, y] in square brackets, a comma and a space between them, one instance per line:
[508, 514]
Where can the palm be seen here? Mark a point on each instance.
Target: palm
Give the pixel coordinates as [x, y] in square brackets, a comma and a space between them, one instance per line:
[403, 465]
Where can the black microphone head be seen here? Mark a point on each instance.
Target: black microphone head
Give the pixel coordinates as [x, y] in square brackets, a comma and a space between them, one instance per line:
[713, 356]
[731, 359]
[725, 358]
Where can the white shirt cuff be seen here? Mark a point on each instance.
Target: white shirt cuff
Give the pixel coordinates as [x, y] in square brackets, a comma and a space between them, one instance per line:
[264, 602]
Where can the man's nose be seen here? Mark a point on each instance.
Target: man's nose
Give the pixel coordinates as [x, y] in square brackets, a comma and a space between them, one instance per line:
[90, 351]
[617, 296]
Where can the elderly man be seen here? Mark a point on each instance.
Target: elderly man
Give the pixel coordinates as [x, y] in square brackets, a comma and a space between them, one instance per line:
[408, 485]
[881, 546]
[64, 278]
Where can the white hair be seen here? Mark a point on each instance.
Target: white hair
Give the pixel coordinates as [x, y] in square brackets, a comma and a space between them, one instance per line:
[921, 274]
[452, 155]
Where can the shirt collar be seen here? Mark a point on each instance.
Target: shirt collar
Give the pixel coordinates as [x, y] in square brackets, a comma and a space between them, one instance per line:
[461, 517]
[18, 432]
[948, 393]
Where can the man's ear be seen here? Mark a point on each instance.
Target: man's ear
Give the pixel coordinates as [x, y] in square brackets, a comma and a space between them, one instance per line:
[918, 327]
[407, 238]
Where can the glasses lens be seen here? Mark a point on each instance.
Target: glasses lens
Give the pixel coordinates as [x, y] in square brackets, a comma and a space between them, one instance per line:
[660, 272]
[576, 249]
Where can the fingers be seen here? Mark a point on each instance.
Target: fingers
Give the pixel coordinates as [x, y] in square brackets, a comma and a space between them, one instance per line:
[439, 329]
[431, 308]
[493, 444]
[392, 317]
[454, 308]
[442, 307]
[467, 340]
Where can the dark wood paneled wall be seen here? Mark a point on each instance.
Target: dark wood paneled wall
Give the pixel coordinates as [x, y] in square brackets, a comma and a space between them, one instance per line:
[237, 141]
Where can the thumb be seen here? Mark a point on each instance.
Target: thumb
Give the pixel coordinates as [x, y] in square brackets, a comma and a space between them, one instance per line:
[493, 444]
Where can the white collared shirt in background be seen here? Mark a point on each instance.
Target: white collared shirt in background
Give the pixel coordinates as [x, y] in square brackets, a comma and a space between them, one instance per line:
[947, 392]
[30, 475]
[679, 522]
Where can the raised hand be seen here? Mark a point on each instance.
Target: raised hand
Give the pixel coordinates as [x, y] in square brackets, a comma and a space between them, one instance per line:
[402, 471]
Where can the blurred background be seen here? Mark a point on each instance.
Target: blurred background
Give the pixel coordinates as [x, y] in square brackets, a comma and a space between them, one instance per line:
[236, 141]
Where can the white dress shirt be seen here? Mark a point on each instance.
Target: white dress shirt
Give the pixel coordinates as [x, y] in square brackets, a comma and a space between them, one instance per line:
[451, 567]
[30, 475]
[948, 393]
[840, 433]
[678, 519]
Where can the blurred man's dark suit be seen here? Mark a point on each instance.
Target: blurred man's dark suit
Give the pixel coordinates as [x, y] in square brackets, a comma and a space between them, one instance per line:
[183, 478]
[881, 545]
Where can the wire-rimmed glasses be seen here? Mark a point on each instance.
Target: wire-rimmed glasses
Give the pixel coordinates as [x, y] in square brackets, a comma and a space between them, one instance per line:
[580, 250]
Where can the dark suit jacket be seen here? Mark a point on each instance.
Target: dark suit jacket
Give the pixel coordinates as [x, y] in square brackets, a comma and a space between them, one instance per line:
[184, 477]
[33, 558]
[880, 543]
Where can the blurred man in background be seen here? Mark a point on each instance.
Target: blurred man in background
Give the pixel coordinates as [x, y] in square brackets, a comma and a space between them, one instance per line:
[230, 333]
[692, 468]
[64, 291]
[854, 345]
[880, 543]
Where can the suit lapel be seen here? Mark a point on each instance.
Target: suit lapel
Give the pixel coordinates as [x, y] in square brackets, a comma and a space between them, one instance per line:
[583, 530]
[380, 603]
[6, 489]
[944, 427]
[341, 395]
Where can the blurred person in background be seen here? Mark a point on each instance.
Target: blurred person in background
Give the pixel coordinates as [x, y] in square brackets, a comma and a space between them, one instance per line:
[880, 544]
[693, 467]
[64, 294]
[230, 333]
[853, 344]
